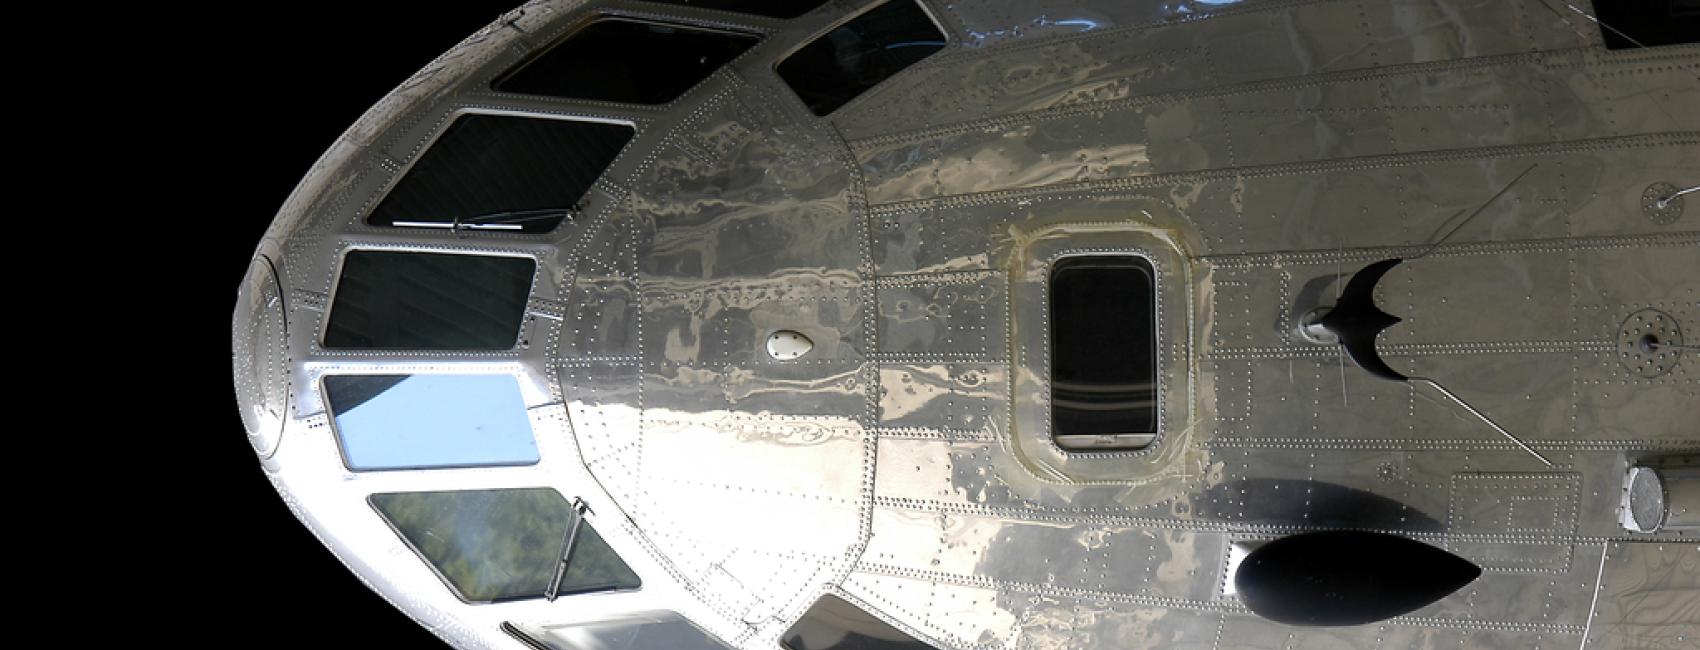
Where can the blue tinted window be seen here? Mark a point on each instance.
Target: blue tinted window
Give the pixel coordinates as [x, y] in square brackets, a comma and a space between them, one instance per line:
[422, 421]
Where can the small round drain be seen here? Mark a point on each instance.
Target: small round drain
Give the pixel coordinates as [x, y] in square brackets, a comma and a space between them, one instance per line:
[786, 345]
[1644, 340]
[1672, 209]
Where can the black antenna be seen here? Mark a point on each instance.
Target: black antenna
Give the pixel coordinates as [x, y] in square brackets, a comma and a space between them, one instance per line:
[1355, 321]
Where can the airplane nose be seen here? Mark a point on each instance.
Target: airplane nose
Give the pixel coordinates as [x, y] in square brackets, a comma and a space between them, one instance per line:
[260, 355]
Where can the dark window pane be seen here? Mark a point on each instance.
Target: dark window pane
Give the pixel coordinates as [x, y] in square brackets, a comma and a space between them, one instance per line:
[493, 545]
[1648, 22]
[1103, 348]
[833, 624]
[769, 8]
[652, 630]
[429, 301]
[424, 421]
[858, 55]
[617, 60]
[502, 173]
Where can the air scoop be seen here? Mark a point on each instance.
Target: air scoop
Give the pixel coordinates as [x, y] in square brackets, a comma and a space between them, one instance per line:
[1347, 577]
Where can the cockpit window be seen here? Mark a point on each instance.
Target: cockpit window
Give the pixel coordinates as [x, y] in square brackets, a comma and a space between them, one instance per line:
[834, 624]
[651, 630]
[502, 173]
[627, 61]
[858, 55]
[769, 8]
[430, 421]
[1103, 352]
[1644, 23]
[395, 300]
[503, 544]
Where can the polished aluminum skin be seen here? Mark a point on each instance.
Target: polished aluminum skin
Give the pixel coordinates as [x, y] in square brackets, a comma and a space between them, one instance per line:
[1258, 152]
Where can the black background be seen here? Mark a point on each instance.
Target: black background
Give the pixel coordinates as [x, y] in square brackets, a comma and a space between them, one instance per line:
[271, 89]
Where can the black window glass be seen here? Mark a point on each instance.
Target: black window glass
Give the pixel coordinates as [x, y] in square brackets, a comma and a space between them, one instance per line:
[769, 8]
[1629, 24]
[833, 624]
[651, 630]
[503, 544]
[858, 55]
[1103, 349]
[502, 173]
[617, 60]
[391, 300]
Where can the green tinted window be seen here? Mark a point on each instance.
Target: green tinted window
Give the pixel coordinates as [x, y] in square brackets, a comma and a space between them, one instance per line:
[493, 545]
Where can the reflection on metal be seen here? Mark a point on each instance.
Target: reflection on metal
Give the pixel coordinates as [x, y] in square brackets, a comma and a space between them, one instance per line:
[260, 352]
[905, 462]
[1356, 322]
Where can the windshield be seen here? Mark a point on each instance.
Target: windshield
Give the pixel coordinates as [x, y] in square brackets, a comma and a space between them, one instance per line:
[504, 544]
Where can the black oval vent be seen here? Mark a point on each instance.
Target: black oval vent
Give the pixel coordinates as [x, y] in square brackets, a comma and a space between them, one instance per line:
[1347, 577]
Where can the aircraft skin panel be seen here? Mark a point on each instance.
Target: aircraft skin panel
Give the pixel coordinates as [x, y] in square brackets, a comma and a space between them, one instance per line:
[1257, 153]
[1646, 597]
